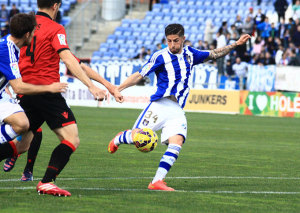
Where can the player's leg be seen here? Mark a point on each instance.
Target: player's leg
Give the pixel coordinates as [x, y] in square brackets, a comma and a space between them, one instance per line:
[68, 136]
[166, 162]
[13, 121]
[10, 163]
[125, 137]
[145, 119]
[59, 117]
[31, 155]
[173, 134]
[13, 148]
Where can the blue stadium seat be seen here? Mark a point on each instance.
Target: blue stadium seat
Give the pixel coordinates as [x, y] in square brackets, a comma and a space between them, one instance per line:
[66, 5]
[111, 39]
[198, 3]
[103, 49]
[135, 23]
[26, 9]
[158, 17]
[127, 32]
[148, 42]
[125, 23]
[119, 31]
[167, 17]
[123, 50]
[136, 32]
[4, 2]
[121, 39]
[144, 24]
[104, 45]
[24, 3]
[156, 8]
[65, 20]
[16, 2]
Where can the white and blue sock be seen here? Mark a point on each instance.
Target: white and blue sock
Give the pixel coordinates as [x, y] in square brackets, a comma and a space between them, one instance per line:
[124, 138]
[7, 133]
[167, 161]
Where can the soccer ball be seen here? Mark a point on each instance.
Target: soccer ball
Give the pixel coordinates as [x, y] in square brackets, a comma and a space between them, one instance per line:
[145, 140]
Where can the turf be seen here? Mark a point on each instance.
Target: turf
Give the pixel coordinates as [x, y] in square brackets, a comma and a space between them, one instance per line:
[230, 163]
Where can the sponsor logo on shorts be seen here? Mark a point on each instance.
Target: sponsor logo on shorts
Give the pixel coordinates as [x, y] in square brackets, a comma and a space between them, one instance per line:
[62, 39]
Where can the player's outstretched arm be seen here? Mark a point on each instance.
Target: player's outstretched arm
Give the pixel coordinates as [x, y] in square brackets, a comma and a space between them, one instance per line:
[221, 52]
[22, 88]
[92, 74]
[130, 81]
[72, 64]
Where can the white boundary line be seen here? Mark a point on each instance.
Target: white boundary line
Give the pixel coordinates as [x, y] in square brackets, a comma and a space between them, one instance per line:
[129, 178]
[177, 191]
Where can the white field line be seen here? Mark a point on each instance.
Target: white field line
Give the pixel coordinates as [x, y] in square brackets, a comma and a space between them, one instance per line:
[129, 178]
[177, 191]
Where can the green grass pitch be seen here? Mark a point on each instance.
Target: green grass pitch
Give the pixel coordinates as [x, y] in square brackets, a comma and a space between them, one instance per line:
[229, 163]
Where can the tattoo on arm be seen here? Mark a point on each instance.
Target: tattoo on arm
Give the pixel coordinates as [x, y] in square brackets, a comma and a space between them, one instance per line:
[220, 52]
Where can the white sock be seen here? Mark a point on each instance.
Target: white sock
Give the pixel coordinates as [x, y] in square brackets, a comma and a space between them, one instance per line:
[166, 162]
[124, 138]
[7, 133]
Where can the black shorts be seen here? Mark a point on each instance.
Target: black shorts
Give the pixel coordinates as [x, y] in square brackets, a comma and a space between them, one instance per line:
[49, 107]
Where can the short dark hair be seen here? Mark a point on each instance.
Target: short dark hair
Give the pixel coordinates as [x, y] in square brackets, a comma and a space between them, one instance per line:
[22, 23]
[47, 3]
[174, 29]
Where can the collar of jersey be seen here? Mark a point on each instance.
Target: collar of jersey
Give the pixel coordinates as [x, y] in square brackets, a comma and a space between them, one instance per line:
[43, 14]
[8, 39]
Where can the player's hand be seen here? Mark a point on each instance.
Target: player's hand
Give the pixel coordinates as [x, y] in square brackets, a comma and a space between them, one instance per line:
[58, 87]
[118, 96]
[99, 94]
[243, 39]
[116, 93]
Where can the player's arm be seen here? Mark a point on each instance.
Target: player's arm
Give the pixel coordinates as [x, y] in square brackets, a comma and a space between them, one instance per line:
[92, 74]
[221, 52]
[131, 81]
[74, 67]
[23, 88]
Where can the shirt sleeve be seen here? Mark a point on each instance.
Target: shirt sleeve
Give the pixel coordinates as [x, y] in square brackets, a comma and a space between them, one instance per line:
[59, 41]
[9, 67]
[198, 55]
[151, 66]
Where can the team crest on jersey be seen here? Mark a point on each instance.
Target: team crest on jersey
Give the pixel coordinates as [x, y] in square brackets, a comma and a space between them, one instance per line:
[148, 67]
[189, 59]
[15, 69]
[62, 39]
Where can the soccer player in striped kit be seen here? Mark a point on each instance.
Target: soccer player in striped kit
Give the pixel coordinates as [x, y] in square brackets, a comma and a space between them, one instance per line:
[172, 67]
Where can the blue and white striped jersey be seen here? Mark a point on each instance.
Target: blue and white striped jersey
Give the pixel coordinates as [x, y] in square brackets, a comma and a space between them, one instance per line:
[9, 58]
[173, 72]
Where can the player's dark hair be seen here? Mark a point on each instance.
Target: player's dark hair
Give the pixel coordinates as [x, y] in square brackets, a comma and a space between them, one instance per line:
[47, 3]
[174, 29]
[22, 23]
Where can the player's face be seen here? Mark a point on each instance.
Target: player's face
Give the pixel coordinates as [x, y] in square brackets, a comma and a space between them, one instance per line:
[175, 43]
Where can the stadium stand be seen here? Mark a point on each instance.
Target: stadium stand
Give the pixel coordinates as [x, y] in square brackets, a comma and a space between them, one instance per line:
[133, 34]
[27, 6]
